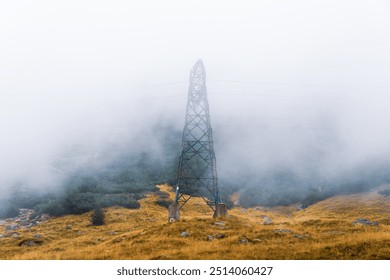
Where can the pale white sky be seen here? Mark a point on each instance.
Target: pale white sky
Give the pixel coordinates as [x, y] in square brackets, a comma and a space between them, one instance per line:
[71, 70]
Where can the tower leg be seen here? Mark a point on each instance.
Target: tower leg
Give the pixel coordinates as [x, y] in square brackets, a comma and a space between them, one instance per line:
[173, 212]
[220, 210]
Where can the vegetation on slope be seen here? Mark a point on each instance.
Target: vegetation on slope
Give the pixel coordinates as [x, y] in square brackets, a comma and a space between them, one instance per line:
[122, 175]
[322, 231]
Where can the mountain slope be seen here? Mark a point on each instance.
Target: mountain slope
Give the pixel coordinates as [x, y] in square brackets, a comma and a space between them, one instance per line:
[325, 230]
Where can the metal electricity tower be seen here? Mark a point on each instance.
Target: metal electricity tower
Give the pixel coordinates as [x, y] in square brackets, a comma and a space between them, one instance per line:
[197, 172]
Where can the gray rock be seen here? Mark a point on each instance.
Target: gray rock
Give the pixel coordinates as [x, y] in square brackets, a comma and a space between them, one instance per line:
[283, 231]
[335, 232]
[30, 243]
[11, 227]
[44, 217]
[184, 234]
[2, 235]
[14, 235]
[219, 223]
[267, 220]
[299, 236]
[243, 241]
[68, 227]
[366, 222]
[25, 222]
[209, 238]
[219, 235]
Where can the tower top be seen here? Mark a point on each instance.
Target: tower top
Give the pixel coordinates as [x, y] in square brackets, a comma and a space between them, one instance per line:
[198, 69]
[199, 66]
[198, 80]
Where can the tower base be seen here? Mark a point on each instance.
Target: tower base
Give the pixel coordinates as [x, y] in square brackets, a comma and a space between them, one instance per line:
[220, 210]
[173, 212]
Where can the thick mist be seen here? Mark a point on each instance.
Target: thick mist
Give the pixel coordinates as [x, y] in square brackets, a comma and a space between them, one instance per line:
[294, 88]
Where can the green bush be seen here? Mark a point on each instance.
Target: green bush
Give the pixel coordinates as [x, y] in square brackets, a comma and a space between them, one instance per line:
[119, 200]
[8, 211]
[78, 203]
[164, 202]
[313, 196]
[385, 192]
[53, 208]
[98, 216]
[270, 196]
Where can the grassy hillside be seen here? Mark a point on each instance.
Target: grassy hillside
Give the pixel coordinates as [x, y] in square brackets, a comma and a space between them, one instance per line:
[323, 231]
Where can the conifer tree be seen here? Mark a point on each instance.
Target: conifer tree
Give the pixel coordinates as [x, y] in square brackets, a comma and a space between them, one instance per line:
[98, 216]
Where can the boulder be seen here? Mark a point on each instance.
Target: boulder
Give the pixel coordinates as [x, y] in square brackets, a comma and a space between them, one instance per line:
[184, 234]
[266, 220]
[25, 222]
[299, 236]
[283, 231]
[44, 217]
[11, 227]
[219, 235]
[209, 238]
[30, 243]
[243, 241]
[366, 222]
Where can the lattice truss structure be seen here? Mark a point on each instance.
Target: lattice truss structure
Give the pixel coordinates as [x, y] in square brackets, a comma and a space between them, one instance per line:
[197, 173]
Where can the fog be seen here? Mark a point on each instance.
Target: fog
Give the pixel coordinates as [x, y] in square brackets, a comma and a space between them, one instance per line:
[298, 85]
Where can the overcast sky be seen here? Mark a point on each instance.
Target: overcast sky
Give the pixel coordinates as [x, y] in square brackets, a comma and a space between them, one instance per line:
[72, 71]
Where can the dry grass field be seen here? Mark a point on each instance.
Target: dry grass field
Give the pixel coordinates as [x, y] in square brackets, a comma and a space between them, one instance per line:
[323, 231]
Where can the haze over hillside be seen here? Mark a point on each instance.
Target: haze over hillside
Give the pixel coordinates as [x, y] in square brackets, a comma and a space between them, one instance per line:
[298, 95]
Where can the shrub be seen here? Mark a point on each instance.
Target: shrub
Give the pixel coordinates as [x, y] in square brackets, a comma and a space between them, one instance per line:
[313, 197]
[53, 208]
[8, 211]
[270, 195]
[98, 216]
[164, 202]
[161, 194]
[385, 192]
[78, 203]
[119, 200]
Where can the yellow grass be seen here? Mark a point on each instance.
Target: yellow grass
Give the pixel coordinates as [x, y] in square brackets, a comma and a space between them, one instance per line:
[322, 231]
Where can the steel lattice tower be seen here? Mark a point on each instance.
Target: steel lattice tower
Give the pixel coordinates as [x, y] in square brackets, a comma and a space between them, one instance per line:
[197, 172]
